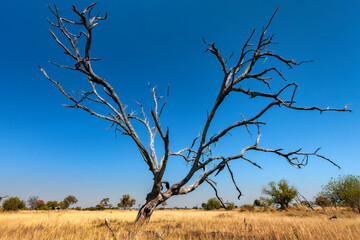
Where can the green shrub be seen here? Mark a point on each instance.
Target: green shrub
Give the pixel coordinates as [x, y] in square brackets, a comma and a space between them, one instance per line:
[52, 205]
[344, 191]
[40, 205]
[13, 204]
[257, 203]
[322, 201]
[211, 204]
[100, 207]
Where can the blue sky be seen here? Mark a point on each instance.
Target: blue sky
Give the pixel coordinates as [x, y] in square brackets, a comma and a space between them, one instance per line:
[50, 151]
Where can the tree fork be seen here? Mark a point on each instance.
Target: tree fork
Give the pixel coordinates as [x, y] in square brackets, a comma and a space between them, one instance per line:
[148, 208]
[201, 153]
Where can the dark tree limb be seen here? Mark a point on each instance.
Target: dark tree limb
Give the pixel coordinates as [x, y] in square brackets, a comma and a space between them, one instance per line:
[167, 185]
[232, 177]
[211, 183]
[201, 153]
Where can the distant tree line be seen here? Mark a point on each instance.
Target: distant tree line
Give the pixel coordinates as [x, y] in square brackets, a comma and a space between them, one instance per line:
[34, 203]
[341, 192]
[126, 202]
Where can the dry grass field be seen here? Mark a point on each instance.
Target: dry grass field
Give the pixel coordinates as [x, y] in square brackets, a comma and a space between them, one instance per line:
[179, 224]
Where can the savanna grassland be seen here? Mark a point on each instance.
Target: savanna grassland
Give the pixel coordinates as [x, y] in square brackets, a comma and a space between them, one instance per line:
[180, 224]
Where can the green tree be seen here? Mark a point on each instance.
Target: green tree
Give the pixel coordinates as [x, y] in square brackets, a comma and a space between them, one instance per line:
[13, 204]
[52, 204]
[40, 205]
[211, 204]
[62, 205]
[69, 200]
[35, 203]
[257, 203]
[126, 202]
[105, 203]
[265, 202]
[343, 191]
[281, 193]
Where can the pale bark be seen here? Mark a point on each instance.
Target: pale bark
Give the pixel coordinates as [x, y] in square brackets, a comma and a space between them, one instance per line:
[200, 154]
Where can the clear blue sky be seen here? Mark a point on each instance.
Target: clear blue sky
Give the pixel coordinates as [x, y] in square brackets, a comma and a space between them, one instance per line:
[50, 151]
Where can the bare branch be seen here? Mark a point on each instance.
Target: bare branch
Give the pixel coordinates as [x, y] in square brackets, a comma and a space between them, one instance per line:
[62, 66]
[216, 193]
[253, 163]
[200, 153]
[232, 177]
[167, 97]
[77, 104]
[292, 157]
[216, 52]
[83, 64]
[67, 51]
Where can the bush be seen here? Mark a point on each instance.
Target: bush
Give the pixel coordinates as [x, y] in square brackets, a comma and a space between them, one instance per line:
[52, 205]
[13, 204]
[40, 205]
[257, 203]
[211, 204]
[281, 193]
[322, 201]
[90, 209]
[100, 207]
[344, 191]
[63, 205]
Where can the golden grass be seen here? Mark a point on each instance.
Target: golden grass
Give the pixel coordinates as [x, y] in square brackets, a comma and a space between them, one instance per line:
[179, 224]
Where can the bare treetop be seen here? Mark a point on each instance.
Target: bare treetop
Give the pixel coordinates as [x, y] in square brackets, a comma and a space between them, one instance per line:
[200, 153]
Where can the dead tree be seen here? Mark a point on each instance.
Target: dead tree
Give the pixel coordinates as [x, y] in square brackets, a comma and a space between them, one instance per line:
[199, 153]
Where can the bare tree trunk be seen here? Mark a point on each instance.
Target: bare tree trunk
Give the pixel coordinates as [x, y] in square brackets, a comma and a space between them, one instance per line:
[148, 208]
[200, 155]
